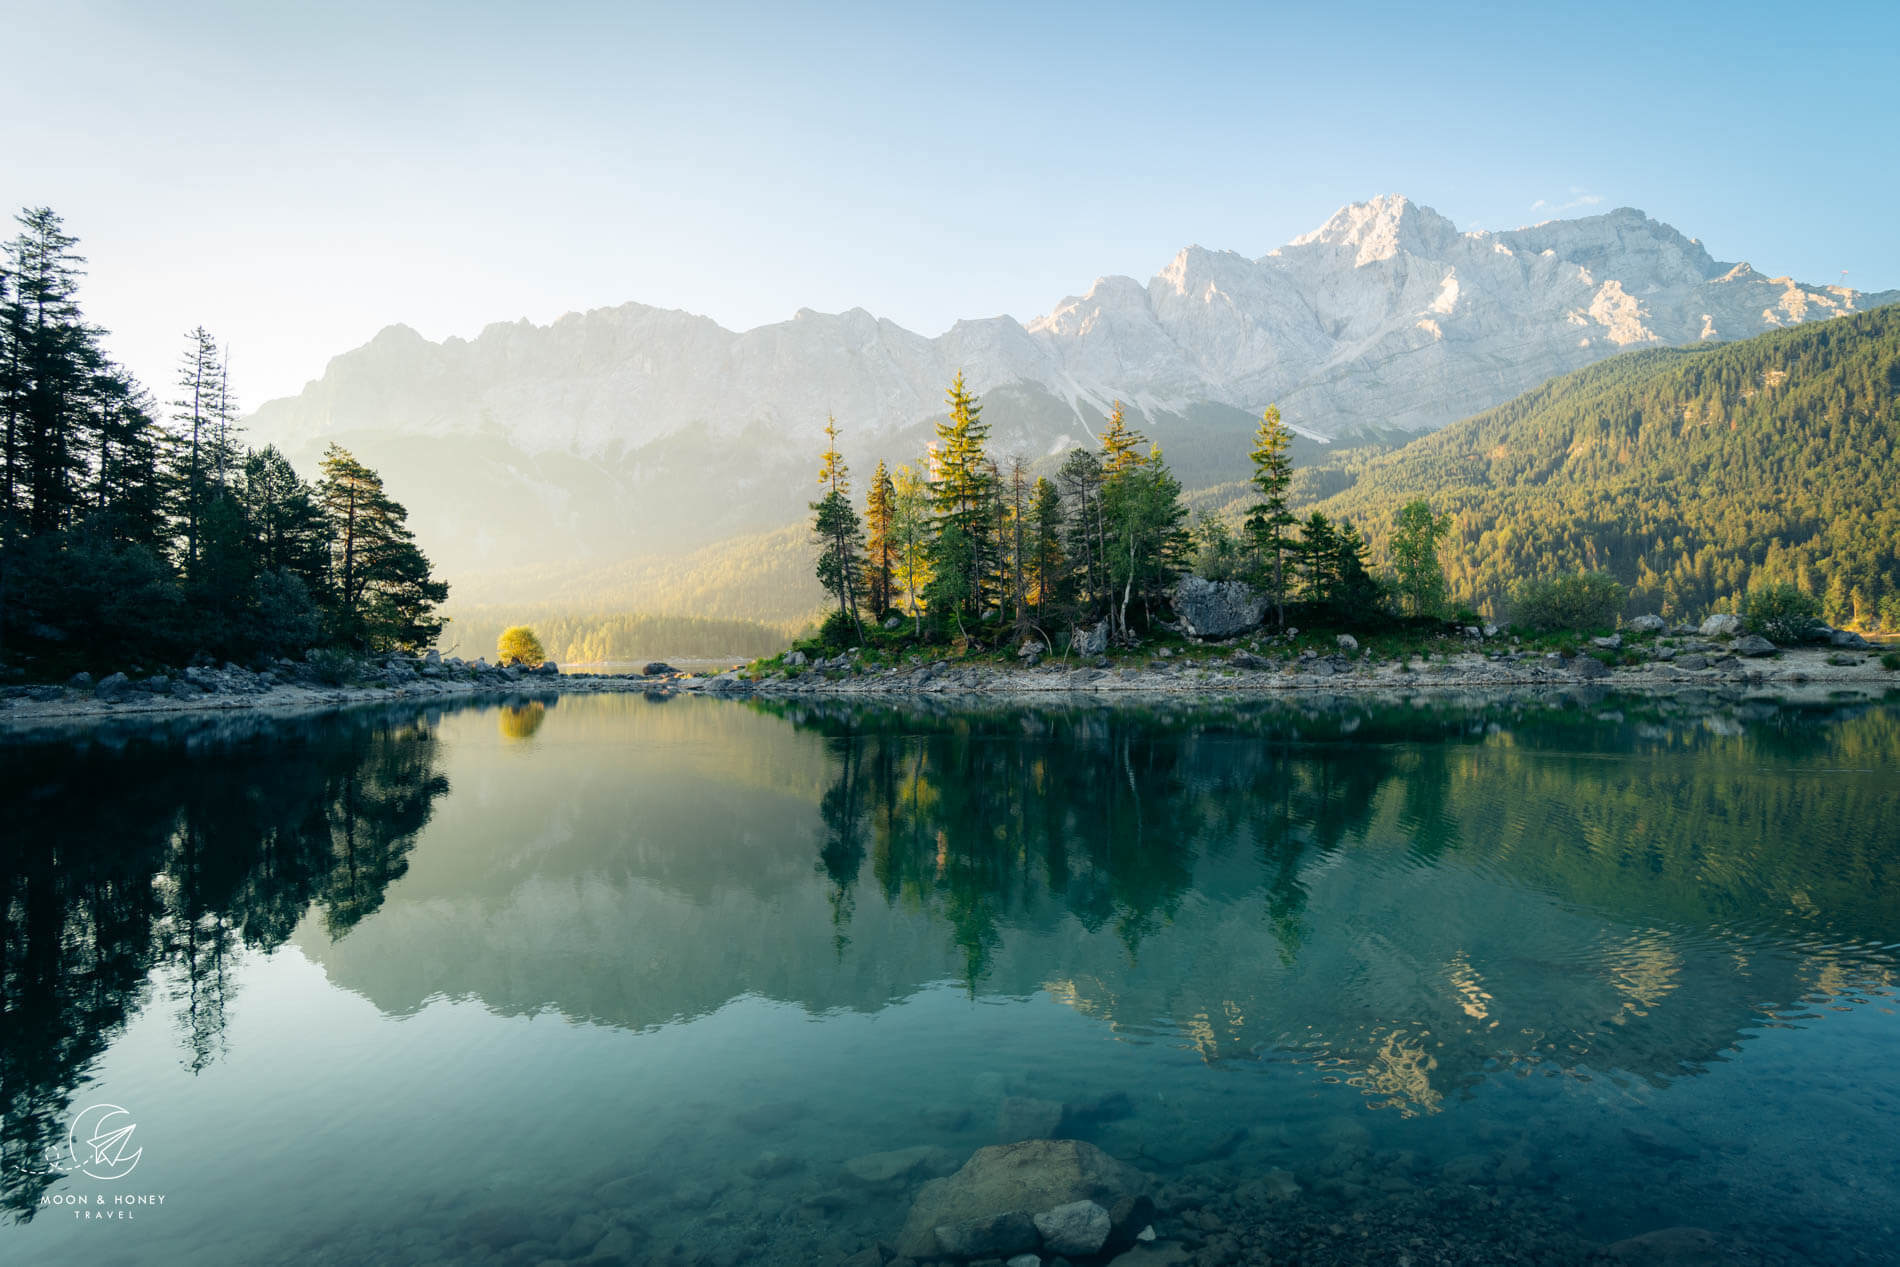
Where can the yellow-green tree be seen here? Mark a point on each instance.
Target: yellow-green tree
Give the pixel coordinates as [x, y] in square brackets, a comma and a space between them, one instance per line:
[517, 642]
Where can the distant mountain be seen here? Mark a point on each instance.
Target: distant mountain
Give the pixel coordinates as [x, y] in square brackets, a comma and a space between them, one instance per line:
[1688, 472]
[635, 430]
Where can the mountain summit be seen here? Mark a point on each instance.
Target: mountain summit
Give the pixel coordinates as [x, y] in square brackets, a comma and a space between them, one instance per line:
[1386, 316]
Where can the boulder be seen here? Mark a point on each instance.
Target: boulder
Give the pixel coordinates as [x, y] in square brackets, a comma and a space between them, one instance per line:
[797, 658]
[1248, 660]
[1647, 624]
[1612, 643]
[1030, 647]
[1754, 645]
[1080, 1227]
[548, 668]
[1848, 638]
[115, 687]
[659, 668]
[1721, 625]
[993, 1235]
[80, 681]
[1217, 609]
[1692, 662]
[1034, 1175]
[1347, 643]
[1093, 641]
[1024, 1117]
[892, 622]
[1588, 666]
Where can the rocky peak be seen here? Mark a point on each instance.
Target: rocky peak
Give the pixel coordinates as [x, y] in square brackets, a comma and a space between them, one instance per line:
[1381, 227]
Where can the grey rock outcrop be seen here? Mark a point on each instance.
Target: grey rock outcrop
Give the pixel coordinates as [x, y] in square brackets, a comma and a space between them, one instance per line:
[1647, 624]
[1721, 625]
[1024, 1178]
[1092, 641]
[1849, 639]
[1217, 609]
[1080, 1227]
[1754, 645]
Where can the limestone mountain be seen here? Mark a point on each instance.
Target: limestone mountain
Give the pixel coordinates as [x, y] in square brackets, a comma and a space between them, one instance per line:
[633, 429]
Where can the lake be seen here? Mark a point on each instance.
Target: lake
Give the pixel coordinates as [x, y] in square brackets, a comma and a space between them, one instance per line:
[618, 978]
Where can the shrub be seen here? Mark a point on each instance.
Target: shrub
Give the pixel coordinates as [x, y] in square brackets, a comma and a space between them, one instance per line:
[1780, 613]
[333, 667]
[839, 631]
[1588, 600]
[517, 642]
[1891, 661]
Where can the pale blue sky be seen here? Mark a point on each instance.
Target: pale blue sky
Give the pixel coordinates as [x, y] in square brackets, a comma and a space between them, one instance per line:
[298, 176]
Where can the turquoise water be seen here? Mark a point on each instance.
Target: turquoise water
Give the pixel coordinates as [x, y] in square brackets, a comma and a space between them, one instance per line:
[618, 978]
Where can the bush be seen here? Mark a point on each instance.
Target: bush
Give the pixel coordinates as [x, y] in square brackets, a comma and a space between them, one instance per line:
[517, 642]
[1891, 661]
[333, 667]
[839, 631]
[1780, 613]
[1588, 600]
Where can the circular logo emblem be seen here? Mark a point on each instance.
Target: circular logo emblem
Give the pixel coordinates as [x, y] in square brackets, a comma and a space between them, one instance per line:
[99, 1144]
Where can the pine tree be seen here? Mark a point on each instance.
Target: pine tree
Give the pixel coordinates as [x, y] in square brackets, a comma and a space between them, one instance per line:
[879, 549]
[1121, 446]
[964, 491]
[1080, 482]
[381, 594]
[1268, 519]
[1046, 553]
[195, 417]
[836, 530]
[1319, 560]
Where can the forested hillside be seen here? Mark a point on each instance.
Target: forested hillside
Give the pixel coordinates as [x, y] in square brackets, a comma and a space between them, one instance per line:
[1690, 473]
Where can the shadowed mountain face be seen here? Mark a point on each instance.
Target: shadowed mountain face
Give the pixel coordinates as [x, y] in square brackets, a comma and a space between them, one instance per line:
[671, 922]
[634, 429]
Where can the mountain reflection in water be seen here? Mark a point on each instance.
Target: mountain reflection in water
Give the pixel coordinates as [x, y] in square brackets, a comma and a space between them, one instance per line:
[1408, 898]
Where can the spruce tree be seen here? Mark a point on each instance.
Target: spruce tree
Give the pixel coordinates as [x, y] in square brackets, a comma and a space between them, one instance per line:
[1121, 445]
[836, 530]
[964, 491]
[1046, 566]
[1269, 518]
[880, 551]
[382, 596]
[913, 533]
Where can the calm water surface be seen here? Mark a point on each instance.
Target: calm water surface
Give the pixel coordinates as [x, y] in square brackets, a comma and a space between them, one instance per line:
[631, 978]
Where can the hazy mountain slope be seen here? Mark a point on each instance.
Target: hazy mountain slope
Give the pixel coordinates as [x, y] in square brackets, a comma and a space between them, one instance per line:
[1688, 472]
[629, 430]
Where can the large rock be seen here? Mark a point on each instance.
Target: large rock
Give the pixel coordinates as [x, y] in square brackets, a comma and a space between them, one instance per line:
[1847, 638]
[1585, 666]
[990, 1236]
[1024, 1178]
[1647, 624]
[1754, 645]
[115, 687]
[1721, 625]
[1080, 1227]
[660, 668]
[1218, 609]
[1092, 641]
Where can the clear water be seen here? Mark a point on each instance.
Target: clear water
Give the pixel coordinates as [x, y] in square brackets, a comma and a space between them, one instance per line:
[629, 979]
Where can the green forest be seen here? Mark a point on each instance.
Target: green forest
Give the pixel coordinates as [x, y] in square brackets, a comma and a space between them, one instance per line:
[1692, 475]
[135, 534]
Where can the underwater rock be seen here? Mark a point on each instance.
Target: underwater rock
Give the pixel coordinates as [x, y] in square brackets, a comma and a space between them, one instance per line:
[1003, 1178]
[1080, 1227]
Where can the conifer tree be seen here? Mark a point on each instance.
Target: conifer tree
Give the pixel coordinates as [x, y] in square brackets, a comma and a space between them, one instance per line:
[1121, 445]
[382, 596]
[836, 529]
[964, 491]
[1080, 481]
[1318, 560]
[1046, 567]
[1269, 518]
[1141, 505]
[880, 551]
[913, 533]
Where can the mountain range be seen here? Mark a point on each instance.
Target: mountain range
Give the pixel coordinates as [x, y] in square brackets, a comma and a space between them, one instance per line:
[634, 430]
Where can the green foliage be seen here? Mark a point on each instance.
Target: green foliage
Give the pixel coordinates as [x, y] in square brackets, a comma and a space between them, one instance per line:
[1689, 474]
[1420, 579]
[124, 542]
[518, 642]
[1780, 612]
[595, 637]
[1890, 661]
[839, 631]
[1587, 600]
[1217, 553]
[334, 667]
[964, 492]
[1269, 519]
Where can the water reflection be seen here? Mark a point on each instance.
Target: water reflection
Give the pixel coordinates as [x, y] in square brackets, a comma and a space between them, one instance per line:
[1410, 904]
[138, 871]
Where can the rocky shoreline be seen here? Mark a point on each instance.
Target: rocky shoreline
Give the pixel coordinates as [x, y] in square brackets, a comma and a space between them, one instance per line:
[289, 689]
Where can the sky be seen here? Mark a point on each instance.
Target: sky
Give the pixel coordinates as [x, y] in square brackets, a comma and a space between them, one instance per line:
[296, 177]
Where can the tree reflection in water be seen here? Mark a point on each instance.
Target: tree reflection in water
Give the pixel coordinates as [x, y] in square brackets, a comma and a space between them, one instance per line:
[154, 860]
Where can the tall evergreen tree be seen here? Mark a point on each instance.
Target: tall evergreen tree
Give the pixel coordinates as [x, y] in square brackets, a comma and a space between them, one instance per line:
[880, 551]
[1046, 560]
[913, 533]
[964, 489]
[1141, 505]
[1269, 518]
[196, 420]
[1121, 444]
[836, 529]
[1085, 534]
[382, 596]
